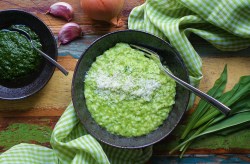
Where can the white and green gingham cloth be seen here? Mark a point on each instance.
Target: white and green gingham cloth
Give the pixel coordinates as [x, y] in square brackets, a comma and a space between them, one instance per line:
[71, 144]
[223, 23]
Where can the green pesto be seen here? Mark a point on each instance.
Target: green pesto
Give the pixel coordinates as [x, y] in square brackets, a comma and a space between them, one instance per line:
[127, 93]
[17, 57]
[20, 132]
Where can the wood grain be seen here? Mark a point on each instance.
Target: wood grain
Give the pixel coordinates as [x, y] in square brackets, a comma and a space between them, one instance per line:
[213, 66]
[54, 98]
[227, 158]
[89, 26]
[46, 107]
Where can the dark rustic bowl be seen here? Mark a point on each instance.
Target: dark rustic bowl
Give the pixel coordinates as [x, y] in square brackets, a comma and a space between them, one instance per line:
[169, 56]
[33, 83]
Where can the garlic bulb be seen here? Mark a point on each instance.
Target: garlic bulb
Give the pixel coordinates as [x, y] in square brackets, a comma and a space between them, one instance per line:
[69, 32]
[61, 9]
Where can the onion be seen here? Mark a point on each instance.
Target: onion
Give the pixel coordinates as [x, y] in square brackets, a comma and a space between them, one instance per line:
[104, 10]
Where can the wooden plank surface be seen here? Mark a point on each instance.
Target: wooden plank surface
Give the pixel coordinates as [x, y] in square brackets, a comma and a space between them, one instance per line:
[45, 108]
[56, 95]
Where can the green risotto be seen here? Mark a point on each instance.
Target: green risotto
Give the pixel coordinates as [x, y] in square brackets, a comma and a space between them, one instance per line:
[17, 57]
[126, 93]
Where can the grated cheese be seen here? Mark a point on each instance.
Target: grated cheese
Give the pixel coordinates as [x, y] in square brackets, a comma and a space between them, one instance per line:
[139, 87]
[126, 93]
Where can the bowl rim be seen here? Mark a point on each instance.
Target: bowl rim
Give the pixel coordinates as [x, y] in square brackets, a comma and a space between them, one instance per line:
[73, 86]
[56, 55]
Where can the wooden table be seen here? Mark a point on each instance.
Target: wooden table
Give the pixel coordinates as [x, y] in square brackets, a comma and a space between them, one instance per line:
[31, 120]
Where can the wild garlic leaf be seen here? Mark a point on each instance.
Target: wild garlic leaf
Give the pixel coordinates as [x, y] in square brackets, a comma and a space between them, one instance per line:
[216, 91]
[242, 105]
[239, 92]
[234, 129]
[238, 99]
[232, 121]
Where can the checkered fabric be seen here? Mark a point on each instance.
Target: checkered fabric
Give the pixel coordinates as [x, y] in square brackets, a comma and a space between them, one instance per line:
[223, 23]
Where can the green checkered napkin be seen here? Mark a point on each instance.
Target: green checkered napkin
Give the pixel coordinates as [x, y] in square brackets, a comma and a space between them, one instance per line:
[71, 144]
[224, 23]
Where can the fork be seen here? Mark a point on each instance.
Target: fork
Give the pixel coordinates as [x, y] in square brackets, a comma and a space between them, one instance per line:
[155, 57]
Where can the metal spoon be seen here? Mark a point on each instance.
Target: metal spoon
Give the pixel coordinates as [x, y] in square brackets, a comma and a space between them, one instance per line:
[217, 104]
[61, 68]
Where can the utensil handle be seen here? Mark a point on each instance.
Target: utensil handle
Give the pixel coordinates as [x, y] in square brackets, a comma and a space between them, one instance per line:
[217, 104]
[61, 68]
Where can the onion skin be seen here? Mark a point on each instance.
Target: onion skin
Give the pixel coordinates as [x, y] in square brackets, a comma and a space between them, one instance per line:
[104, 10]
[61, 9]
[69, 32]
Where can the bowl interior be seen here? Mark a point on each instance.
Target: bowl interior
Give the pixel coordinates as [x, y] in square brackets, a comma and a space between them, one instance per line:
[33, 83]
[169, 56]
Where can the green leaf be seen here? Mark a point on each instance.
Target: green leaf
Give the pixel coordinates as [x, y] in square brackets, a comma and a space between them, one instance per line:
[183, 145]
[216, 91]
[242, 89]
[239, 92]
[234, 129]
[242, 105]
[234, 120]
[210, 120]
[229, 122]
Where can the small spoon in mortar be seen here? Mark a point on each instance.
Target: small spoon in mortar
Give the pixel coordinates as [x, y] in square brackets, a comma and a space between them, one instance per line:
[61, 68]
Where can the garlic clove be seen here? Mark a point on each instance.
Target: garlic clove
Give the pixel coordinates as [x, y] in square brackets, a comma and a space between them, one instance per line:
[61, 9]
[69, 32]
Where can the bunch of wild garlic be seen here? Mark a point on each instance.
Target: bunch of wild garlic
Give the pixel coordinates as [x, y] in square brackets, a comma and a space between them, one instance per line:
[206, 119]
